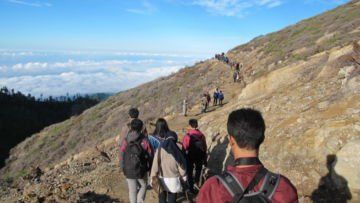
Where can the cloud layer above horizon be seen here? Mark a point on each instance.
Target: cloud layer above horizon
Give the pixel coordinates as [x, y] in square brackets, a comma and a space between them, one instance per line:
[78, 74]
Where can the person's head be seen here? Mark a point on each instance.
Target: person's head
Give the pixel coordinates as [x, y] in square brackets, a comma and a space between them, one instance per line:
[134, 113]
[246, 128]
[161, 128]
[136, 125]
[193, 123]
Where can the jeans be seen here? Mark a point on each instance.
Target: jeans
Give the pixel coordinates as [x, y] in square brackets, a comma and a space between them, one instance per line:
[198, 167]
[135, 195]
[167, 197]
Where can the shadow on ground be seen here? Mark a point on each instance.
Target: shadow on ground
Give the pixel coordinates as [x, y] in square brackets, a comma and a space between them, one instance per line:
[91, 197]
[332, 187]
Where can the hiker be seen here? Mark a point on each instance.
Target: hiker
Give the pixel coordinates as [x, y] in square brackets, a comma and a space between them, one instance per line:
[208, 97]
[221, 98]
[169, 166]
[246, 129]
[215, 97]
[135, 160]
[184, 107]
[194, 145]
[133, 114]
[235, 76]
[160, 133]
[204, 103]
[237, 67]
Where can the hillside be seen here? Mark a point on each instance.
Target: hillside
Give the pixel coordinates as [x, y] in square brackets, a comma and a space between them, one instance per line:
[304, 79]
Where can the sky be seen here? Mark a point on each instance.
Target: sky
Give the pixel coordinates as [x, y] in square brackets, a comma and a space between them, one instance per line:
[74, 46]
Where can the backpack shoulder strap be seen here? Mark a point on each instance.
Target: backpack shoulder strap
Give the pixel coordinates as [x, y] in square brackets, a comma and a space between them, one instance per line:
[231, 183]
[271, 182]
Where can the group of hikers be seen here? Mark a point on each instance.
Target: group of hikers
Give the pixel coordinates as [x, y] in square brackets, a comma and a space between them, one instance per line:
[233, 66]
[218, 98]
[161, 162]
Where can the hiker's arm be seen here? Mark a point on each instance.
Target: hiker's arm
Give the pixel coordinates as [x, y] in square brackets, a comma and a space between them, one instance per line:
[182, 166]
[121, 154]
[154, 168]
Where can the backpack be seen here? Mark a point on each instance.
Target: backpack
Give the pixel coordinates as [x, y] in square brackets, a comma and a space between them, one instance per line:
[155, 141]
[136, 160]
[221, 96]
[197, 150]
[240, 194]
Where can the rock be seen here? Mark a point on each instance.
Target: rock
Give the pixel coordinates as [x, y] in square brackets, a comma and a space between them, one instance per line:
[323, 105]
[348, 162]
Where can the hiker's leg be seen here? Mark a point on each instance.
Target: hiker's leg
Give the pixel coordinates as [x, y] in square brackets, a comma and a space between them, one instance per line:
[142, 191]
[171, 197]
[198, 168]
[132, 185]
[190, 174]
[162, 197]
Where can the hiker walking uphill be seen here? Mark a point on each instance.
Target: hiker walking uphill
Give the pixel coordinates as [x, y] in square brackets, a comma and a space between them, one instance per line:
[221, 98]
[169, 167]
[204, 103]
[247, 180]
[216, 97]
[133, 114]
[161, 132]
[194, 145]
[135, 161]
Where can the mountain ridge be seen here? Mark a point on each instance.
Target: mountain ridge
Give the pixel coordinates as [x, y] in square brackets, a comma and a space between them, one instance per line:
[303, 79]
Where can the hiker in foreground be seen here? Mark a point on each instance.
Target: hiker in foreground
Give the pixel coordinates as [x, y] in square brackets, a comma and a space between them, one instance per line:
[135, 161]
[168, 170]
[247, 180]
[194, 145]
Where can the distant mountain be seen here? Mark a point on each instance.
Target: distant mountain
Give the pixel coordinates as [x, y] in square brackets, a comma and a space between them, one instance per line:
[100, 96]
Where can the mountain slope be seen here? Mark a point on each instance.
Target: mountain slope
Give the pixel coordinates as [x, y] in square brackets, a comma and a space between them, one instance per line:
[305, 80]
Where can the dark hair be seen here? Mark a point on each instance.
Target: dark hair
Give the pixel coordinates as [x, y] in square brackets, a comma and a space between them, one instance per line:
[136, 125]
[193, 123]
[134, 113]
[161, 128]
[247, 127]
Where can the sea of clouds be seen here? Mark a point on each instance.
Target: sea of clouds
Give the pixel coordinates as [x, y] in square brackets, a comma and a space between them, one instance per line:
[71, 72]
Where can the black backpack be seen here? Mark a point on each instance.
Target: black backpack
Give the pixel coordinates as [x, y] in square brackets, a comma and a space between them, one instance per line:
[197, 150]
[136, 160]
[240, 194]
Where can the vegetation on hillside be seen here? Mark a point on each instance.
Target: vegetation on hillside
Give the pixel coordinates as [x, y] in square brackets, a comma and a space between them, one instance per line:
[23, 115]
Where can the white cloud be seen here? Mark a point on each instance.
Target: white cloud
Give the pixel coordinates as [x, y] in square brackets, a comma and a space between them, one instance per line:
[145, 9]
[88, 76]
[72, 82]
[33, 4]
[234, 7]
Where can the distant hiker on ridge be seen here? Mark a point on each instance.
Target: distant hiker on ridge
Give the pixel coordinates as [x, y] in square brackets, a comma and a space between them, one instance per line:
[247, 179]
[204, 103]
[216, 96]
[221, 98]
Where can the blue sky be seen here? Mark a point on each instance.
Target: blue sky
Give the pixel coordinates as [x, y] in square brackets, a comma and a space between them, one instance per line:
[55, 47]
[176, 26]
